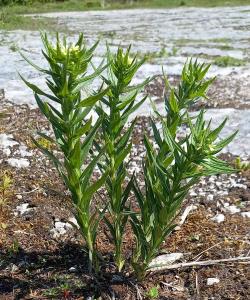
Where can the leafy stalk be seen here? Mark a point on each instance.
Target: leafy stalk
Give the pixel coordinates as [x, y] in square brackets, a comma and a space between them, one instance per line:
[73, 130]
[175, 166]
[116, 107]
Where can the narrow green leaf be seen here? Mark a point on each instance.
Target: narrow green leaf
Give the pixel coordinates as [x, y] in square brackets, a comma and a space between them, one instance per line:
[91, 100]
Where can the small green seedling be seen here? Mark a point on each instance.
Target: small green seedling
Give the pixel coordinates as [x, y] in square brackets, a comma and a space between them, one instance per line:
[153, 293]
[241, 166]
[5, 189]
[14, 248]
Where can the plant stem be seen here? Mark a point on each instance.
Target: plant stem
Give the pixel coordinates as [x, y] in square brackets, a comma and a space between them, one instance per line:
[116, 211]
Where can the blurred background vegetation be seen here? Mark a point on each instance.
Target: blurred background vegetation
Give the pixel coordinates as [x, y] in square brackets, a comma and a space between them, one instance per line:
[33, 5]
[11, 10]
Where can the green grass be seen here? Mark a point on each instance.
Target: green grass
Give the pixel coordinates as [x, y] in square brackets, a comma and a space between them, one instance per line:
[228, 61]
[78, 5]
[220, 40]
[12, 21]
[224, 47]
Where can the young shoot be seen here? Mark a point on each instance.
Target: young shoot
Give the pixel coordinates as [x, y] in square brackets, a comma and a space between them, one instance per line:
[5, 189]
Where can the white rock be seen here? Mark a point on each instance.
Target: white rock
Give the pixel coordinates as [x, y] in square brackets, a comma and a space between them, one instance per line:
[218, 218]
[210, 197]
[218, 184]
[23, 208]
[68, 226]
[74, 221]
[18, 162]
[59, 224]
[212, 178]
[186, 212]
[6, 141]
[211, 187]
[6, 151]
[232, 209]
[163, 260]
[245, 214]
[23, 151]
[72, 269]
[222, 193]
[239, 185]
[56, 232]
[192, 194]
[19, 197]
[212, 280]
[60, 228]
[134, 169]
[12, 268]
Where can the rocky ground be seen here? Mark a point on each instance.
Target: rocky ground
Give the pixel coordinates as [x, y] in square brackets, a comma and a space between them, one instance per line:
[41, 255]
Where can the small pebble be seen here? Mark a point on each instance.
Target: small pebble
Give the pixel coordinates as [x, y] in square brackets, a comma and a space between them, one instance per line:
[18, 162]
[245, 214]
[23, 209]
[212, 281]
[210, 197]
[72, 269]
[232, 209]
[218, 218]
[193, 194]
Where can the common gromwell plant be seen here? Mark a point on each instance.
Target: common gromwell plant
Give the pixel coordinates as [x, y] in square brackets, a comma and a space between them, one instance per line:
[172, 164]
[73, 129]
[175, 164]
[115, 107]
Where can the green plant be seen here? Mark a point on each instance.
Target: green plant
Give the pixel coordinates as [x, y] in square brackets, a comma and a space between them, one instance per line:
[73, 130]
[21, 2]
[228, 61]
[153, 293]
[162, 53]
[13, 47]
[51, 292]
[225, 47]
[241, 166]
[170, 168]
[5, 189]
[176, 164]
[120, 103]
[14, 248]
[3, 225]
[174, 51]
[45, 143]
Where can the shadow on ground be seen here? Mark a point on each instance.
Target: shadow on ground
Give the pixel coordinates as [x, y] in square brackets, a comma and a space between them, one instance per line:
[59, 273]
